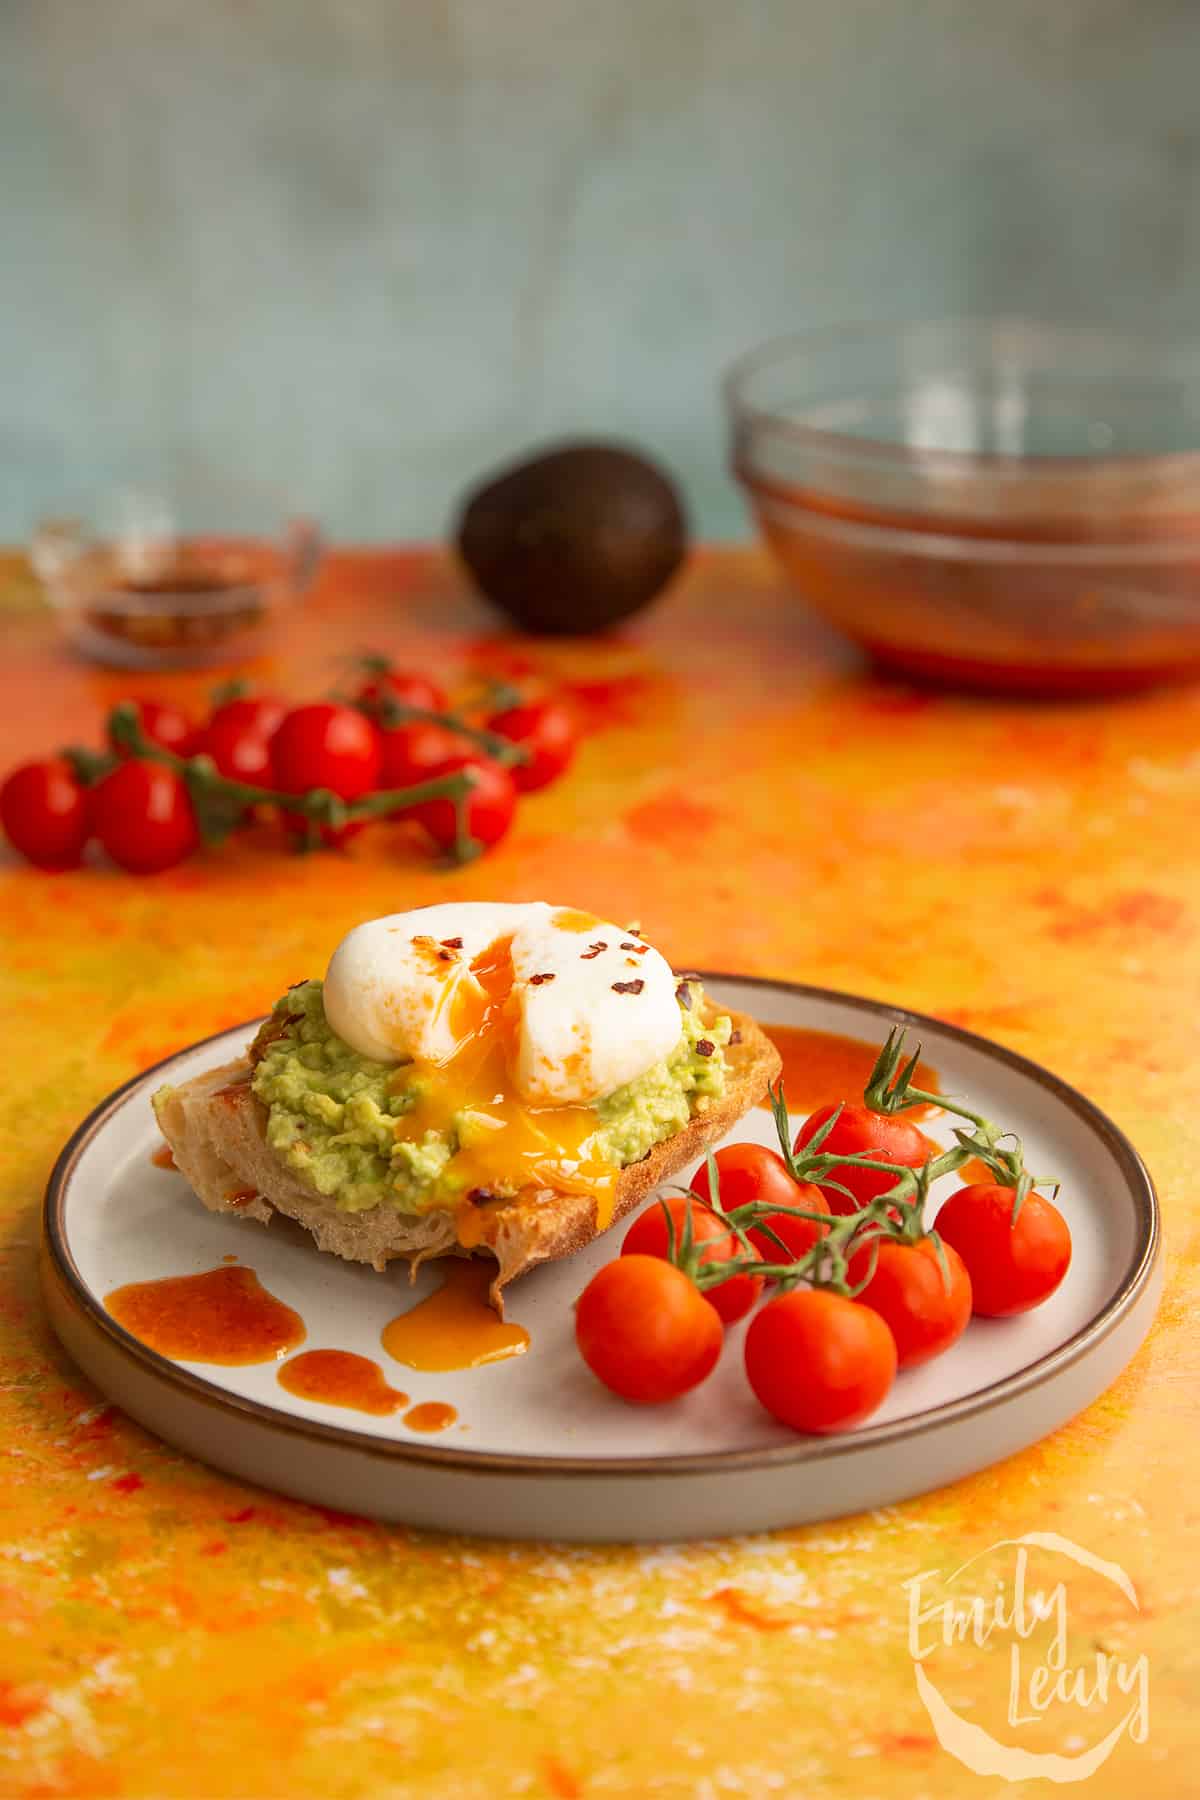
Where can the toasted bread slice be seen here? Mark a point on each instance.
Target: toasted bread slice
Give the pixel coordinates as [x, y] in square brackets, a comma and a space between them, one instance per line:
[216, 1128]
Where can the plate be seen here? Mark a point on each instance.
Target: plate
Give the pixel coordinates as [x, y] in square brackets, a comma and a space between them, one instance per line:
[539, 1449]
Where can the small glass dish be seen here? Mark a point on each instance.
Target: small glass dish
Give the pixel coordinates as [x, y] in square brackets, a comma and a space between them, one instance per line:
[175, 578]
[990, 503]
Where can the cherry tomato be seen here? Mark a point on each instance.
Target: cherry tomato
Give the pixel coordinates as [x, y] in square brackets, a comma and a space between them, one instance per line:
[1012, 1267]
[545, 730]
[164, 725]
[44, 811]
[749, 1172]
[326, 746]
[403, 686]
[861, 1132]
[410, 751]
[818, 1361]
[261, 714]
[647, 1236]
[489, 807]
[925, 1311]
[241, 751]
[143, 817]
[646, 1330]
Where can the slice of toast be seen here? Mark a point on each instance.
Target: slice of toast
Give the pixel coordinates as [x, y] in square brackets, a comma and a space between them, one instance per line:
[216, 1127]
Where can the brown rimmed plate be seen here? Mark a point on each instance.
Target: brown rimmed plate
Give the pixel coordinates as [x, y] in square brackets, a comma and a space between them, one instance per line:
[539, 1449]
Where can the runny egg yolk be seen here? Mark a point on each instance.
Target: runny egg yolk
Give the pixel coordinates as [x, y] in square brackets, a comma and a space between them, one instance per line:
[504, 1142]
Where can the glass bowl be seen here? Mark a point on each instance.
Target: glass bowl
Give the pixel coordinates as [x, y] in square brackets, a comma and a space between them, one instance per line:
[173, 576]
[992, 503]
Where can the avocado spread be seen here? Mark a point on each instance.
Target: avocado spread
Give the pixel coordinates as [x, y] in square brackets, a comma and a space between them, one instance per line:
[338, 1120]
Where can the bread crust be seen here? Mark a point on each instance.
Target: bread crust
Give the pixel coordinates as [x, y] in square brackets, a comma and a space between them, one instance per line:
[216, 1127]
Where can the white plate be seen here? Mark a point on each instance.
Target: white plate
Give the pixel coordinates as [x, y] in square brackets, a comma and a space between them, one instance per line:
[540, 1448]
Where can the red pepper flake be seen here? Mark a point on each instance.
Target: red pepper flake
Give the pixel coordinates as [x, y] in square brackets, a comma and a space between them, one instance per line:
[683, 994]
[591, 951]
[452, 943]
[537, 980]
[446, 956]
[704, 1047]
[640, 948]
[630, 987]
[735, 1036]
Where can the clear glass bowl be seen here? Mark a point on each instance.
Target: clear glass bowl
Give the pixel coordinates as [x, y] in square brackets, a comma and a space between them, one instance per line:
[993, 503]
[173, 576]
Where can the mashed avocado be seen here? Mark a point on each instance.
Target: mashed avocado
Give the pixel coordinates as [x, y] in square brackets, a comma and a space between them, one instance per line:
[338, 1120]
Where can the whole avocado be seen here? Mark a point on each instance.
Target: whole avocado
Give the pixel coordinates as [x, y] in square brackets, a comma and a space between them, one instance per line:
[575, 538]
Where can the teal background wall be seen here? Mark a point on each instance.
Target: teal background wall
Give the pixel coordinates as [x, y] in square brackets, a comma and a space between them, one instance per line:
[361, 249]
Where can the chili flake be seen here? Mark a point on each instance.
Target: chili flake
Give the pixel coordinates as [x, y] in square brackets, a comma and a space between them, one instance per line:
[683, 994]
[592, 950]
[537, 980]
[452, 943]
[630, 987]
[704, 1047]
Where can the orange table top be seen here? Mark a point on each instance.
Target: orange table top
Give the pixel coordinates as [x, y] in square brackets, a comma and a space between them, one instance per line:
[757, 801]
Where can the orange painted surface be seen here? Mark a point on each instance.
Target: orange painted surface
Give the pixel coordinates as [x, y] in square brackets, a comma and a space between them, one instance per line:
[756, 801]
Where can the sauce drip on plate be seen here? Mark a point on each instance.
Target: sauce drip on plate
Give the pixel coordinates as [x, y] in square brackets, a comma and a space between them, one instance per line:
[430, 1415]
[455, 1328]
[222, 1316]
[341, 1378]
[820, 1065]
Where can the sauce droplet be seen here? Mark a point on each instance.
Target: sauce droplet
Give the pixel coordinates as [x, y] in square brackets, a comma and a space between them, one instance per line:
[455, 1328]
[223, 1316]
[431, 1415]
[341, 1378]
[819, 1066]
[162, 1157]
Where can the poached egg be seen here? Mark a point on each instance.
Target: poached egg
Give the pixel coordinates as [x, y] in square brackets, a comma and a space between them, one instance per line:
[575, 1006]
[515, 1020]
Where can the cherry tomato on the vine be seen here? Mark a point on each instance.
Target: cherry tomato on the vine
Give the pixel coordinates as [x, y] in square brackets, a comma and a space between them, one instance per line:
[405, 687]
[240, 751]
[489, 806]
[648, 1236]
[142, 814]
[164, 725]
[646, 1330]
[324, 745]
[44, 811]
[818, 1361]
[545, 730]
[752, 1172]
[861, 1132]
[411, 751]
[258, 713]
[1012, 1266]
[924, 1310]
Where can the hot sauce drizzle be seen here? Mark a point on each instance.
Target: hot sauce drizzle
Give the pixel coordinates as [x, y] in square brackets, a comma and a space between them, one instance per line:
[819, 1066]
[341, 1378]
[431, 1415]
[455, 1328]
[223, 1316]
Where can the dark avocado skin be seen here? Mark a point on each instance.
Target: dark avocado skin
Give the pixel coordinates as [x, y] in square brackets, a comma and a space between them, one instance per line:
[575, 539]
